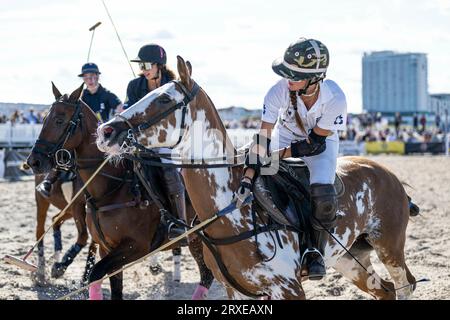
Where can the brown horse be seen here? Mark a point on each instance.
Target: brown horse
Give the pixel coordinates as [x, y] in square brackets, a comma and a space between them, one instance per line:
[124, 227]
[58, 198]
[373, 212]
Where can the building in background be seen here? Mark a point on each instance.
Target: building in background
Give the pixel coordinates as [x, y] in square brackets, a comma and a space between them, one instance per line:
[439, 102]
[395, 82]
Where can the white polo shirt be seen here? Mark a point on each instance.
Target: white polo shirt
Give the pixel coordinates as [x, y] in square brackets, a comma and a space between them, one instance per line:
[329, 112]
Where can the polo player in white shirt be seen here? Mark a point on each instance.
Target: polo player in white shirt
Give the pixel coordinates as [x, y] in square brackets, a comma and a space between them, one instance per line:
[302, 113]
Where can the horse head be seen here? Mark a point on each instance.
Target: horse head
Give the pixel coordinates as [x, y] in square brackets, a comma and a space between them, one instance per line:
[163, 118]
[60, 131]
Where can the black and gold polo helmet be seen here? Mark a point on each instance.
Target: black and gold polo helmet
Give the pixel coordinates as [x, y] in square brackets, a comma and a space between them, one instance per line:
[304, 59]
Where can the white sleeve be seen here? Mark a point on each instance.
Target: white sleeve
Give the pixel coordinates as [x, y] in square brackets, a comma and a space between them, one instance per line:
[334, 116]
[272, 104]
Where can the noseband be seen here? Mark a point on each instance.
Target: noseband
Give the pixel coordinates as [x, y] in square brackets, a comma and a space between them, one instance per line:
[62, 156]
[188, 97]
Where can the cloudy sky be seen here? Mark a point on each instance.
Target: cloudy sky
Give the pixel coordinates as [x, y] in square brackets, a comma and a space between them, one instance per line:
[231, 44]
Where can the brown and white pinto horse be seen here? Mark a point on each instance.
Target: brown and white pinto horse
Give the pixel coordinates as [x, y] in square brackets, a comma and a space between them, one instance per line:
[374, 211]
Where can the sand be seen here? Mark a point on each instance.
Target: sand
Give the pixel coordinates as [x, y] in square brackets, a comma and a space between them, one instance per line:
[427, 245]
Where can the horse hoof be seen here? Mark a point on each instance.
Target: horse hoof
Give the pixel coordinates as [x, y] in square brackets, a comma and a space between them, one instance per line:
[58, 270]
[38, 278]
[156, 269]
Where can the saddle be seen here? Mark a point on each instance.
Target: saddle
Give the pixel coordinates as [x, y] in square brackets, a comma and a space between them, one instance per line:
[285, 196]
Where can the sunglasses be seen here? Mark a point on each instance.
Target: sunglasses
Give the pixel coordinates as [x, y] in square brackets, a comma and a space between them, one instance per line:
[145, 65]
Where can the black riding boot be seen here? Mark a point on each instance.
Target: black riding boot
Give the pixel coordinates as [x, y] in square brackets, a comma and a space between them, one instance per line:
[314, 259]
[45, 187]
[176, 191]
[178, 204]
[324, 206]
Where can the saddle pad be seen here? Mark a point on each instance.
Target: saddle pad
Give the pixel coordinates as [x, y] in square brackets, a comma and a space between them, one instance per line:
[285, 195]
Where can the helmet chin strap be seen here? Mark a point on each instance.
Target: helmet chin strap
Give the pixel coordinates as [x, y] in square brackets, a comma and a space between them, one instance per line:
[302, 92]
[158, 75]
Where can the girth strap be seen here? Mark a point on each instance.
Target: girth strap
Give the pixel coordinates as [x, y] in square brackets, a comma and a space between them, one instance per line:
[92, 209]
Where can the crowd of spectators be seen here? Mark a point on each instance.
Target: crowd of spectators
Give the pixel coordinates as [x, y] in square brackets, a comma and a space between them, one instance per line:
[360, 127]
[20, 117]
[375, 127]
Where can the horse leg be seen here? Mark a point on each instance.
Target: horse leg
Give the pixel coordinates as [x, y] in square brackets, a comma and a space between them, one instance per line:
[42, 206]
[57, 240]
[90, 262]
[116, 284]
[155, 267]
[127, 251]
[392, 256]
[206, 276]
[176, 253]
[78, 213]
[368, 282]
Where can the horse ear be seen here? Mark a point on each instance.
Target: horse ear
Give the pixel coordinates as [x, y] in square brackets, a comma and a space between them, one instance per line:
[183, 71]
[189, 65]
[74, 96]
[56, 92]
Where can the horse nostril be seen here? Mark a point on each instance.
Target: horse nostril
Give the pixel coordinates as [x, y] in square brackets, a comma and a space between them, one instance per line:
[107, 131]
[35, 164]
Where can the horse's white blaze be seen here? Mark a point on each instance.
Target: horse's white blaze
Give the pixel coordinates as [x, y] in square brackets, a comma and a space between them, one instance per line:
[140, 106]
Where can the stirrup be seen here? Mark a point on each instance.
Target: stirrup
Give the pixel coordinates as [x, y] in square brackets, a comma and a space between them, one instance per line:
[313, 250]
[173, 226]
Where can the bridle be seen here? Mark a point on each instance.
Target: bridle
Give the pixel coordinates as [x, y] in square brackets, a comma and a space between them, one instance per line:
[143, 154]
[131, 140]
[62, 156]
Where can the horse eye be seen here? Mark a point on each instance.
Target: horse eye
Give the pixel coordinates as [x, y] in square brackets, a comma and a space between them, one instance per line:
[59, 122]
[165, 99]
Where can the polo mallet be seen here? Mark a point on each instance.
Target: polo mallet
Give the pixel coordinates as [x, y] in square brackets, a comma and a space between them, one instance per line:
[92, 37]
[118, 38]
[231, 207]
[21, 262]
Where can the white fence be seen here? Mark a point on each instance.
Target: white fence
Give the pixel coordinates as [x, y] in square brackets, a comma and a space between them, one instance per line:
[19, 134]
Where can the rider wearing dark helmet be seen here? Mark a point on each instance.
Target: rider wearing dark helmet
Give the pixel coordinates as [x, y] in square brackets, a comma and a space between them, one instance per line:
[102, 101]
[301, 115]
[152, 61]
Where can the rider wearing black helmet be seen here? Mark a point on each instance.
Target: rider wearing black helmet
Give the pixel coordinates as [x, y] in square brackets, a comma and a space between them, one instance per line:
[152, 61]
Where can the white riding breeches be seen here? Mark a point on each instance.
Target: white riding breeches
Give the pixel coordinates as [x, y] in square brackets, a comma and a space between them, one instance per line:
[322, 167]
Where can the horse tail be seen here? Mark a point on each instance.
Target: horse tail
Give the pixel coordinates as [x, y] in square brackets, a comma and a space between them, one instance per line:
[414, 209]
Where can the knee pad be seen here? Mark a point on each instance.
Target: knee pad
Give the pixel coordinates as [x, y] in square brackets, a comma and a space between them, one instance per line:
[324, 206]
